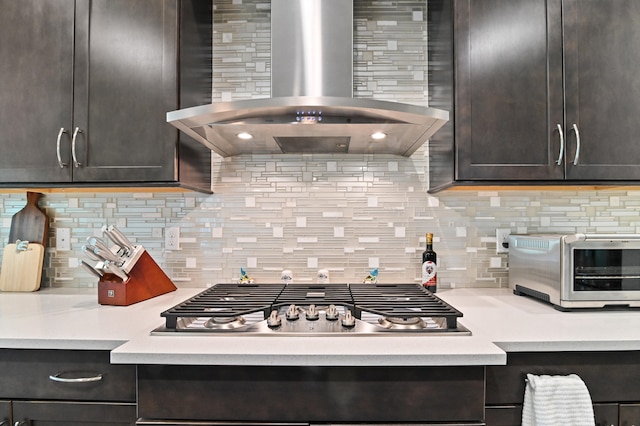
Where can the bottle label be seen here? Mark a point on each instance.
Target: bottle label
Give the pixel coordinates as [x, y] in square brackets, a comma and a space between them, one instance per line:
[429, 274]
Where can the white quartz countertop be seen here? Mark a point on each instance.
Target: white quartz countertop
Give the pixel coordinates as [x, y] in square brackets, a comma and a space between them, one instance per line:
[499, 321]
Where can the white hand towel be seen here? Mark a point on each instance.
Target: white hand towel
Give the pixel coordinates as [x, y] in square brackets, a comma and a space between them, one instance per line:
[556, 400]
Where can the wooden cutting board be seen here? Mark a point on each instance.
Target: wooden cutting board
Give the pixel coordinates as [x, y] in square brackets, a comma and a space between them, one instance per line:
[31, 223]
[21, 269]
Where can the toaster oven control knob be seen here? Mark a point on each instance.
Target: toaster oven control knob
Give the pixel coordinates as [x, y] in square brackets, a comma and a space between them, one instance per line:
[348, 320]
[332, 313]
[274, 320]
[292, 313]
[312, 313]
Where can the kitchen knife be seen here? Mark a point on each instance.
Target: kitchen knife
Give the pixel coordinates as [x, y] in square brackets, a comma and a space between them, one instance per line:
[88, 252]
[106, 255]
[122, 247]
[110, 267]
[99, 243]
[124, 241]
[90, 269]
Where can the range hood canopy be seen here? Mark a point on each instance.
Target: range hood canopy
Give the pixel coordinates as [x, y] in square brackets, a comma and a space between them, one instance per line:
[312, 109]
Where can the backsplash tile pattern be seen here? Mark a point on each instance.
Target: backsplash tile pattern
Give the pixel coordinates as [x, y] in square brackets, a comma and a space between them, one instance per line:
[322, 213]
[306, 212]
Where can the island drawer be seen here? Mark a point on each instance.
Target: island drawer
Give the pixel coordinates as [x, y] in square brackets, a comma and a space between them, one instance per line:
[65, 375]
[311, 394]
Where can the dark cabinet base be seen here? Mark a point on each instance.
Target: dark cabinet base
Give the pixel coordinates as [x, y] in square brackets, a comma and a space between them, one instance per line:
[40, 413]
[65, 387]
[443, 395]
[612, 378]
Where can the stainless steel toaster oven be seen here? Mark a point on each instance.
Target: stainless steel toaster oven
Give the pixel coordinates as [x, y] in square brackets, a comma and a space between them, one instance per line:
[577, 270]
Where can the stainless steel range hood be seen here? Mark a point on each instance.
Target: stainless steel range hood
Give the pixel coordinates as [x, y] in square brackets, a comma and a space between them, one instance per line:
[312, 109]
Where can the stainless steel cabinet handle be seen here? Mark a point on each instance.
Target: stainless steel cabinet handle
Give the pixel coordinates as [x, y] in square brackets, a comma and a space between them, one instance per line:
[76, 164]
[57, 378]
[60, 133]
[561, 154]
[575, 159]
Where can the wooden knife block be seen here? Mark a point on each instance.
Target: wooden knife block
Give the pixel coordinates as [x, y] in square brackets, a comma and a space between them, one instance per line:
[146, 280]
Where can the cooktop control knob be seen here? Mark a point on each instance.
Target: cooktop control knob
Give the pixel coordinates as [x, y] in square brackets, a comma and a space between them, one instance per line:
[312, 313]
[292, 313]
[348, 320]
[332, 313]
[274, 320]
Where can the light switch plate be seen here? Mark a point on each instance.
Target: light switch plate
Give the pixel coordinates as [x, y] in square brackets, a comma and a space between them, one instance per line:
[63, 239]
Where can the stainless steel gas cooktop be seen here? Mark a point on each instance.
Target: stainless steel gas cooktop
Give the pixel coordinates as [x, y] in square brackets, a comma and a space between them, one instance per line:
[313, 309]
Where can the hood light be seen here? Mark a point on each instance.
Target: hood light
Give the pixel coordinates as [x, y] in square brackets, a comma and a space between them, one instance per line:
[378, 135]
[245, 135]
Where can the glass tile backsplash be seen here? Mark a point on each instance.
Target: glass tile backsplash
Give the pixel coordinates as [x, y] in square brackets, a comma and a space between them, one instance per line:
[307, 213]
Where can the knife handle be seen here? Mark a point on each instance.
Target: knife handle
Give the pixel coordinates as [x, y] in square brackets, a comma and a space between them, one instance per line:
[91, 269]
[122, 248]
[88, 251]
[123, 238]
[100, 244]
[110, 267]
[106, 255]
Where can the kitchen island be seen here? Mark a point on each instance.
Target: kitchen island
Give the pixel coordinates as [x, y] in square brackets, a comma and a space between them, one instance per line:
[510, 335]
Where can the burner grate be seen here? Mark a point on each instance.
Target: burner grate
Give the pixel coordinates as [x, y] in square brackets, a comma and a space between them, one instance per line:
[225, 300]
[402, 301]
[315, 294]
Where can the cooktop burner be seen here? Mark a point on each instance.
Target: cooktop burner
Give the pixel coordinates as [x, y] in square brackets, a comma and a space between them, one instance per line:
[313, 309]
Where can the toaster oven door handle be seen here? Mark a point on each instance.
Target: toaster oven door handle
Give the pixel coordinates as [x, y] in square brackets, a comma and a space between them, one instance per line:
[574, 238]
[570, 239]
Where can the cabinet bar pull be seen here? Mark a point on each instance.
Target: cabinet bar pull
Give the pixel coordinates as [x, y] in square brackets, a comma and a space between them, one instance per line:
[60, 133]
[575, 159]
[559, 160]
[56, 378]
[76, 164]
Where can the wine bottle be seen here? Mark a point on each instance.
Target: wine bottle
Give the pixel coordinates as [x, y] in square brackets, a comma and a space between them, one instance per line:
[430, 266]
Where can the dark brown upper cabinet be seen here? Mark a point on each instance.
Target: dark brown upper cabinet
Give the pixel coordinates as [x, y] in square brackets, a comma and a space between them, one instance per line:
[86, 85]
[541, 91]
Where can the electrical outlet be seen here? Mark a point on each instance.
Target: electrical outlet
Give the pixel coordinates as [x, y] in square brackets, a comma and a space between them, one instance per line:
[63, 239]
[502, 240]
[172, 238]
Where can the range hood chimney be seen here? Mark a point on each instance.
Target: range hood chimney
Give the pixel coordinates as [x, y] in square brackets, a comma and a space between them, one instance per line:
[312, 108]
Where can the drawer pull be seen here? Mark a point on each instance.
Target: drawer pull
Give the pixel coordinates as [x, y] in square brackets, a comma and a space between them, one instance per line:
[57, 378]
[561, 154]
[58, 155]
[76, 164]
[575, 158]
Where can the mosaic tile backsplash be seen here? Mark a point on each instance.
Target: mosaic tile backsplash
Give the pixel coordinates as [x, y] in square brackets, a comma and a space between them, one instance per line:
[348, 214]
[304, 214]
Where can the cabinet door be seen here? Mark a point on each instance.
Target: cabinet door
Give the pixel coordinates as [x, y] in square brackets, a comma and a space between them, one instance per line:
[5, 413]
[602, 55]
[605, 414]
[36, 71]
[125, 82]
[508, 89]
[41, 413]
[629, 414]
